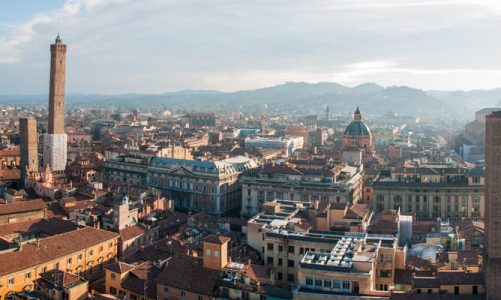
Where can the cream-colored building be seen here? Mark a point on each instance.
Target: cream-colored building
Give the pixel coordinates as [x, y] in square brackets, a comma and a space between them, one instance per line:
[83, 252]
[430, 193]
[356, 267]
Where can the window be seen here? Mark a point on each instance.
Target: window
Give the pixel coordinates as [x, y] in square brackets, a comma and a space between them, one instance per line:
[216, 253]
[385, 273]
[280, 248]
[80, 256]
[11, 280]
[269, 260]
[280, 276]
[245, 295]
[291, 249]
[110, 245]
[456, 290]
[27, 275]
[336, 284]
[101, 248]
[133, 297]
[183, 294]
[56, 266]
[270, 247]
[113, 290]
[301, 250]
[200, 297]
[290, 277]
[309, 281]
[280, 261]
[318, 283]
[91, 252]
[385, 257]
[290, 263]
[346, 285]
[327, 283]
[430, 291]
[121, 293]
[166, 289]
[69, 260]
[113, 276]
[474, 289]
[207, 252]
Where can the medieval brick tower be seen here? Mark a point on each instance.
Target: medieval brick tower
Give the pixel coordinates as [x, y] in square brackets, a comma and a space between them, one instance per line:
[29, 146]
[493, 205]
[55, 141]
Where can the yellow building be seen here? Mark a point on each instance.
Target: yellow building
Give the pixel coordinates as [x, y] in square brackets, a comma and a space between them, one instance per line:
[82, 252]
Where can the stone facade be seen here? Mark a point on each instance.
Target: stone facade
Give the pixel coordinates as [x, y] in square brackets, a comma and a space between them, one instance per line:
[55, 151]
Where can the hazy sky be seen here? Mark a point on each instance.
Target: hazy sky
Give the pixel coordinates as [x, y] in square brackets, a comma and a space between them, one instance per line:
[119, 46]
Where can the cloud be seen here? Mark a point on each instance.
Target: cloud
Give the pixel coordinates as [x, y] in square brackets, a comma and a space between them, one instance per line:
[119, 46]
[392, 72]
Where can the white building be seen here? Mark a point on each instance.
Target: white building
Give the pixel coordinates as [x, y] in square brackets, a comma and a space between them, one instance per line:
[288, 144]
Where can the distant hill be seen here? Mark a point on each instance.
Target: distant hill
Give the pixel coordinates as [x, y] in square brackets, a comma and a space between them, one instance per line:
[295, 97]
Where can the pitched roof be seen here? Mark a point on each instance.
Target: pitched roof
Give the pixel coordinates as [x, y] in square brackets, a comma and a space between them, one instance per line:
[47, 227]
[257, 273]
[131, 232]
[52, 248]
[460, 277]
[59, 277]
[119, 267]
[468, 258]
[140, 280]
[216, 239]
[418, 263]
[22, 206]
[188, 273]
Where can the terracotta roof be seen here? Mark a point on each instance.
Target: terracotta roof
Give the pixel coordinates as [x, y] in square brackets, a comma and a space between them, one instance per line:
[142, 277]
[405, 276]
[460, 277]
[425, 282]
[119, 267]
[47, 227]
[59, 277]
[51, 248]
[257, 273]
[131, 232]
[216, 239]
[468, 258]
[418, 263]
[188, 273]
[22, 206]
[160, 250]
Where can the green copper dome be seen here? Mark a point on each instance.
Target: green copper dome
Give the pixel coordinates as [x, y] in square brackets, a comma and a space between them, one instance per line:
[357, 128]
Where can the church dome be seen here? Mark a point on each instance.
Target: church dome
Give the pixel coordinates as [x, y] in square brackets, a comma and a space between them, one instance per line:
[357, 128]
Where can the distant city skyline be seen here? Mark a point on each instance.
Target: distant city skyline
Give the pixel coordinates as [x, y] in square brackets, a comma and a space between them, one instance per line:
[153, 46]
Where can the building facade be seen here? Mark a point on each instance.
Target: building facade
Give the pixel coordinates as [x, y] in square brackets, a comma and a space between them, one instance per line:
[430, 193]
[212, 187]
[342, 186]
[82, 252]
